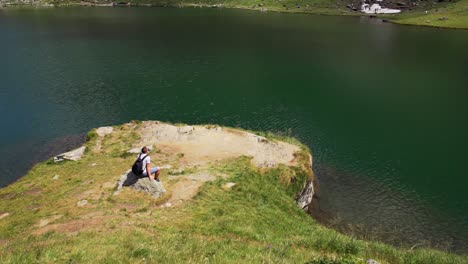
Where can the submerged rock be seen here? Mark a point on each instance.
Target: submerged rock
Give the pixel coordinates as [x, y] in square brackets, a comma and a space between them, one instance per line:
[128, 179]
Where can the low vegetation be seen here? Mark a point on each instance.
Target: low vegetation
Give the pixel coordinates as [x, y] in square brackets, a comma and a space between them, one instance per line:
[254, 221]
[452, 15]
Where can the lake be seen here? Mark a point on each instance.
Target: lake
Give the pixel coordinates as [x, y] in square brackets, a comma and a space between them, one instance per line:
[382, 106]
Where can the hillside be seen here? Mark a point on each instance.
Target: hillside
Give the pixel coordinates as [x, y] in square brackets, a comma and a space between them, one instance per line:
[230, 198]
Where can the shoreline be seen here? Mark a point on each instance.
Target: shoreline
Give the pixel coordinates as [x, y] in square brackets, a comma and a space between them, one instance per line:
[209, 157]
[384, 18]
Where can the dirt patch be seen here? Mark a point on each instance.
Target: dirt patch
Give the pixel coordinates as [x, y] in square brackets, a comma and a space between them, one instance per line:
[3, 242]
[199, 144]
[89, 195]
[129, 207]
[33, 191]
[72, 227]
[8, 196]
[46, 221]
[188, 187]
[184, 190]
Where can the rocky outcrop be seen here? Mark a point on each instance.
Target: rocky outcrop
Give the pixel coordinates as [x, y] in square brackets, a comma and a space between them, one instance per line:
[304, 198]
[203, 144]
[128, 179]
[103, 131]
[73, 155]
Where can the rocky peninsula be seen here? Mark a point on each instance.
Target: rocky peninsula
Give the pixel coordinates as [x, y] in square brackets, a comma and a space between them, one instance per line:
[226, 196]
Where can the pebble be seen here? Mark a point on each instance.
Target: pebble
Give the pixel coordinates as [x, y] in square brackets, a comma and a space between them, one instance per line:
[4, 215]
[82, 203]
[229, 185]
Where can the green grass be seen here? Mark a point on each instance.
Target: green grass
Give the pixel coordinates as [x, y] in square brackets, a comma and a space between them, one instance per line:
[257, 221]
[452, 15]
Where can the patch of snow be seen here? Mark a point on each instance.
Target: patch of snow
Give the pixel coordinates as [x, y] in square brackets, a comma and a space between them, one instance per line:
[377, 9]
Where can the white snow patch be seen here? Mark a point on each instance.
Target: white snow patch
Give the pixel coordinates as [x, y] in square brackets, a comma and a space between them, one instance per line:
[377, 9]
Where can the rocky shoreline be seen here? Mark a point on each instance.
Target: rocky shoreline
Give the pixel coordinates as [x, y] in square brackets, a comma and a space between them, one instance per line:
[201, 145]
[221, 189]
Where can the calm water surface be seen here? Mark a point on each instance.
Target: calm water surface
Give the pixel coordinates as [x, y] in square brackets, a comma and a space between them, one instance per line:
[383, 107]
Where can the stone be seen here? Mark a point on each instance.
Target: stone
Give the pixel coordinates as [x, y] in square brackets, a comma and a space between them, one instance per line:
[371, 261]
[56, 177]
[152, 187]
[82, 203]
[73, 155]
[177, 172]
[229, 185]
[102, 131]
[44, 222]
[4, 215]
[304, 198]
[185, 130]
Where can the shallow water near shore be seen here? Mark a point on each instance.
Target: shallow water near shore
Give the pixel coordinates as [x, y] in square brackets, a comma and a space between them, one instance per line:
[381, 106]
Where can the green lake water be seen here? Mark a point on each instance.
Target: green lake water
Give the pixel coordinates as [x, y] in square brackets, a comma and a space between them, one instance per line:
[383, 107]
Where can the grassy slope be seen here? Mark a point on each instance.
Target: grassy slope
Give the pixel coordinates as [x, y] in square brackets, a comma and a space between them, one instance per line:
[456, 15]
[255, 221]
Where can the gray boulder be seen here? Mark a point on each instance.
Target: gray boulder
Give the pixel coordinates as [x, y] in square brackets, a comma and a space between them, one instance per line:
[73, 155]
[304, 198]
[128, 179]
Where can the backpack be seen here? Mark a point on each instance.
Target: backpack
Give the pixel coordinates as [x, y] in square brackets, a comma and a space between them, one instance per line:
[137, 167]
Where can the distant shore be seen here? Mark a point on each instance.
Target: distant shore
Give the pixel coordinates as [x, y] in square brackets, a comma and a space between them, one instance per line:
[414, 18]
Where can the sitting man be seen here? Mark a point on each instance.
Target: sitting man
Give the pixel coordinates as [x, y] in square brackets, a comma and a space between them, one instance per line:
[141, 167]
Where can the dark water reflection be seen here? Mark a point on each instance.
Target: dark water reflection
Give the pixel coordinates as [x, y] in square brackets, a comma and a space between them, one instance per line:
[383, 107]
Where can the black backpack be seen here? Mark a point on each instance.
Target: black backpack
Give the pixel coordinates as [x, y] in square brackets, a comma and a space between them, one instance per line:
[137, 167]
